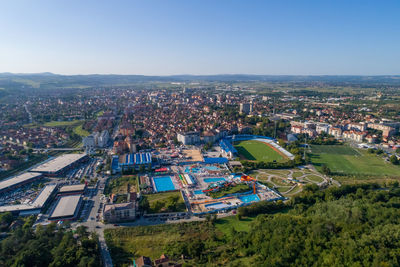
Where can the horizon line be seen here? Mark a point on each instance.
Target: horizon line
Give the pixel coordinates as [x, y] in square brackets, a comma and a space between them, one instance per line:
[171, 75]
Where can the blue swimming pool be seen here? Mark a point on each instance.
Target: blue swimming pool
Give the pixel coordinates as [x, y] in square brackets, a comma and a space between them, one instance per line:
[214, 180]
[212, 168]
[193, 170]
[249, 198]
[198, 192]
[163, 183]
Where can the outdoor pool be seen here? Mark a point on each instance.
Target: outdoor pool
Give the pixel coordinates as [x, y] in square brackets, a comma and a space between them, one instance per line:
[198, 192]
[214, 180]
[193, 170]
[212, 168]
[163, 183]
[249, 198]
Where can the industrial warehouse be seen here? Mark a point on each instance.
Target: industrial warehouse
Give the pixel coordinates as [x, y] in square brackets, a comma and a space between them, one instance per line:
[60, 164]
[18, 180]
[33, 207]
[67, 208]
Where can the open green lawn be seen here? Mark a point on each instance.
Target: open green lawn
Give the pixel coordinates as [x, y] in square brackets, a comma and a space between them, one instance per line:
[240, 188]
[314, 178]
[79, 131]
[62, 123]
[297, 174]
[279, 181]
[282, 173]
[295, 190]
[344, 160]
[165, 202]
[256, 150]
[283, 189]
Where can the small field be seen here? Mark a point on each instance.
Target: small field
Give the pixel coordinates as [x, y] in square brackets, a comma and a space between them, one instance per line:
[81, 132]
[344, 160]
[240, 188]
[164, 202]
[258, 151]
[119, 185]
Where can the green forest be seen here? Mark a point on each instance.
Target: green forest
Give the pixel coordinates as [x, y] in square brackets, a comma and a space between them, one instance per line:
[356, 225]
[49, 246]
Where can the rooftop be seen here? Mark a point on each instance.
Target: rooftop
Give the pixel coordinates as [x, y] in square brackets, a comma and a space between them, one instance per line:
[18, 179]
[127, 205]
[58, 163]
[69, 188]
[66, 206]
[36, 204]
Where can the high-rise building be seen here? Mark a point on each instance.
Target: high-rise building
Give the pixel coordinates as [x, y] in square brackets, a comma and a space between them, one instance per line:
[246, 108]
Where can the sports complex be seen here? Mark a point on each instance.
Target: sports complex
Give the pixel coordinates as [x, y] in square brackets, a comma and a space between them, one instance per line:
[254, 147]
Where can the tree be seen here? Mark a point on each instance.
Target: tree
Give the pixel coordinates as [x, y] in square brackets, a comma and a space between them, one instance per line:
[394, 160]
[326, 170]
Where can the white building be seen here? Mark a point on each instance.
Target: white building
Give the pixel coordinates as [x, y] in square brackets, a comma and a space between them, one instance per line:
[103, 139]
[96, 139]
[322, 128]
[189, 138]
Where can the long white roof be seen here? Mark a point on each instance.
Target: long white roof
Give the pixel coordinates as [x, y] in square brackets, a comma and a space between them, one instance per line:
[36, 204]
[18, 179]
[58, 163]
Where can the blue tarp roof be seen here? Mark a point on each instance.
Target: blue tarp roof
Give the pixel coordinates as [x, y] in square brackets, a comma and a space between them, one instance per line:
[215, 160]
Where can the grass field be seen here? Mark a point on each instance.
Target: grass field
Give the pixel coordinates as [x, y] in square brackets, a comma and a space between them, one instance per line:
[256, 150]
[344, 160]
[119, 185]
[315, 178]
[62, 123]
[240, 188]
[165, 202]
[81, 132]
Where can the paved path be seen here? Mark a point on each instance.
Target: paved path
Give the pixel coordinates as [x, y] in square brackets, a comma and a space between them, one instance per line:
[303, 177]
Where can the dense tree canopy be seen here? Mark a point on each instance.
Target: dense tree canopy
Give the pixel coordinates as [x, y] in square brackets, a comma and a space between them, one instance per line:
[49, 246]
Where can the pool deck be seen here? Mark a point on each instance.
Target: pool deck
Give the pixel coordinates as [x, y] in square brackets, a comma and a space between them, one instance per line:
[200, 203]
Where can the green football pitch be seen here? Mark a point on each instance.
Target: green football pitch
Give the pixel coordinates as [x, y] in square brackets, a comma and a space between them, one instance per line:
[256, 150]
[342, 159]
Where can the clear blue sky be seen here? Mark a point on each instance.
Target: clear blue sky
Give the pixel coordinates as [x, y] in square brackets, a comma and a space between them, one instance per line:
[200, 37]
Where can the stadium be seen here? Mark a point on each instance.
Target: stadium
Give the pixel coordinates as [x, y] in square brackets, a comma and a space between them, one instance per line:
[253, 147]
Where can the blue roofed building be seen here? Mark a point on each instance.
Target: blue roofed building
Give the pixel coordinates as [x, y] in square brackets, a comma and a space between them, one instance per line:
[134, 160]
[227, 148]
